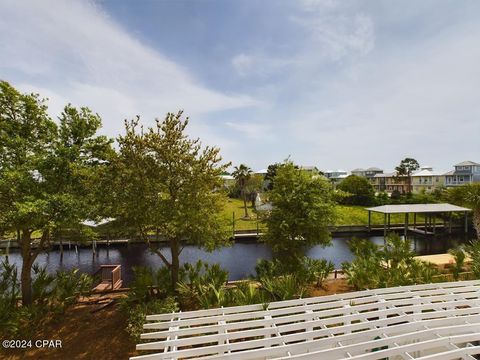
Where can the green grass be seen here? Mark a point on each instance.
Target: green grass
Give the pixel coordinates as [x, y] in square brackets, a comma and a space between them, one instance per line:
[346, 215]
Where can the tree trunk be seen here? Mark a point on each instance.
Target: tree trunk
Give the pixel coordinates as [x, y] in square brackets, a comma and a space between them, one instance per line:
[245, 203]
[175, 265]
[26, 274]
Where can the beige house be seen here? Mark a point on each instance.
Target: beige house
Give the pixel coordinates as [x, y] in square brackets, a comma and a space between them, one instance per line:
[390, 182]
[427, 180]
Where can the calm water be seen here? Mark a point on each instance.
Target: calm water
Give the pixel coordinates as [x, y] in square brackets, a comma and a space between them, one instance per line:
[239, 259]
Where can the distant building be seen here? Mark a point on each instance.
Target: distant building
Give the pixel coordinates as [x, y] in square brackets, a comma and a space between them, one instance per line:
[335, 176]
[466, 172]
[390, 182]
[367, 173]
[427, 180]
[228, 180]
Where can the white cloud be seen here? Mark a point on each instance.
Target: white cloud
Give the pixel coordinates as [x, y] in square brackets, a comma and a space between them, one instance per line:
[251, 130]
[72, 50]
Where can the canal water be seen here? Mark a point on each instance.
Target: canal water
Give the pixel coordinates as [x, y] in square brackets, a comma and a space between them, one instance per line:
[239, 259]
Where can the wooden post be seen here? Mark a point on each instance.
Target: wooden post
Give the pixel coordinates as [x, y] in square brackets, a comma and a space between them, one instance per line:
[466, 222]
[384, 226]
[233, 225]
[258, 231]
[414, 220]
[405, 231]
[369, 221]
[450, 223]
[434, 222]
[426, 216]
[389, 222]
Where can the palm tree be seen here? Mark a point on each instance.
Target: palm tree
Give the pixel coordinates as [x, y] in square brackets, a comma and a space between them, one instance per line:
[469, 195]
[242, 174]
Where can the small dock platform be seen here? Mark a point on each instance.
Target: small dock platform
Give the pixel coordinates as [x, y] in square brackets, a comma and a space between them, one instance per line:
[110, 278]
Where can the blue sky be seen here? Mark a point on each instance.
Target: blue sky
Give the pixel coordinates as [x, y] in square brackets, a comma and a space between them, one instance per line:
[336, 84]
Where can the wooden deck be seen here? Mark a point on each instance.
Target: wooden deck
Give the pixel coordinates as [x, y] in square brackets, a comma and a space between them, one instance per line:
[110, 277]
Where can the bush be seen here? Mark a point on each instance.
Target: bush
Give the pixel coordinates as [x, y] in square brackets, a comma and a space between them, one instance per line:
[136, 314]
[51, 295]
[203, 286]
[384, 266]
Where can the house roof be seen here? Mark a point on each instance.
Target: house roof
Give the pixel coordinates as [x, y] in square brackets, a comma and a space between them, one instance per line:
[261, 171]
[227, 177]
[417, 208]
[374, 169]
[390, 174]
[438, 321]
[467, 163]
[357, 170]
[426, 172]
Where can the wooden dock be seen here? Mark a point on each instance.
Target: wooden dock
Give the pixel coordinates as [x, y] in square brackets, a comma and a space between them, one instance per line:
[110, 278]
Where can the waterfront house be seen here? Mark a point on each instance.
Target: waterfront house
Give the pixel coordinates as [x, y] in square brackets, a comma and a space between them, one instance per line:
[427, 180]
[390, 182]
[367, 173]
[466, 172]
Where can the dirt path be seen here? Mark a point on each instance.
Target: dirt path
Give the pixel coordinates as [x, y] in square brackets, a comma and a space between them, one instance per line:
[84, 335]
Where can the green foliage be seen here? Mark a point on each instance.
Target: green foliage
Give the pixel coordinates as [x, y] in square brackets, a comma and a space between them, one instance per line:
[49, 172]
[246, 293]
[406, 167]
[303, 208]
[203, 286]
[473, 250]
[468, 195]
[243, 177]
[459, 256]
[285, 287]
[162, 182]
[149, 285]
[52, 294]
[137, 313]
[384, 266]
[360, 191]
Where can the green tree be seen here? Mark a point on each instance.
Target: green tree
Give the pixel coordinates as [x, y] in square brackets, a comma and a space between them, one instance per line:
[469, 195]
[271, 173]
[406, 168]
[360, 189]
[303, 208]
[242, 175]
[166, 184]
[46, 172]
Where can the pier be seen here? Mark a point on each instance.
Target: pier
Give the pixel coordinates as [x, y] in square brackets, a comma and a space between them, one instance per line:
[430, 213]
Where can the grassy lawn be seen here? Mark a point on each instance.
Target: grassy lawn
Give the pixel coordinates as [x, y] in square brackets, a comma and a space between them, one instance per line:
[236, 206]
[346, 215]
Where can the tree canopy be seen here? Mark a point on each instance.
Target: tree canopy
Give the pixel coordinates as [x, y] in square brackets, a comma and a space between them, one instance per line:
[360, 191]
[47, 171]
[166, 185]
[303, 208]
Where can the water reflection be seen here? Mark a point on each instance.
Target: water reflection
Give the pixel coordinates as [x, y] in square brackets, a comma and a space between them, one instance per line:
[239, 259]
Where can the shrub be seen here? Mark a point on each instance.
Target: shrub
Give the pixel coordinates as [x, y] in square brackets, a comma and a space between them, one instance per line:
[136, 314]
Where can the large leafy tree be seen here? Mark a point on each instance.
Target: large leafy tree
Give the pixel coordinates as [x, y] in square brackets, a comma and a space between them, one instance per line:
[46, 172]
[360, 190]
[165, 187]
[242, 175]
[406, 168]
[469, 195]
[303, 208]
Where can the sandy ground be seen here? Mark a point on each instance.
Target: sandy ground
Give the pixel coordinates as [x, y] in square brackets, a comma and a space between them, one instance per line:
[84, 335]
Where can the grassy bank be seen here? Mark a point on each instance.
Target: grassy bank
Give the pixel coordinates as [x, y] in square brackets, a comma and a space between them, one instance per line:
[346, 215]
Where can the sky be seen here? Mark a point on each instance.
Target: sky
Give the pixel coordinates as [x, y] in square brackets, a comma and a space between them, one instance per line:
[332, 84]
